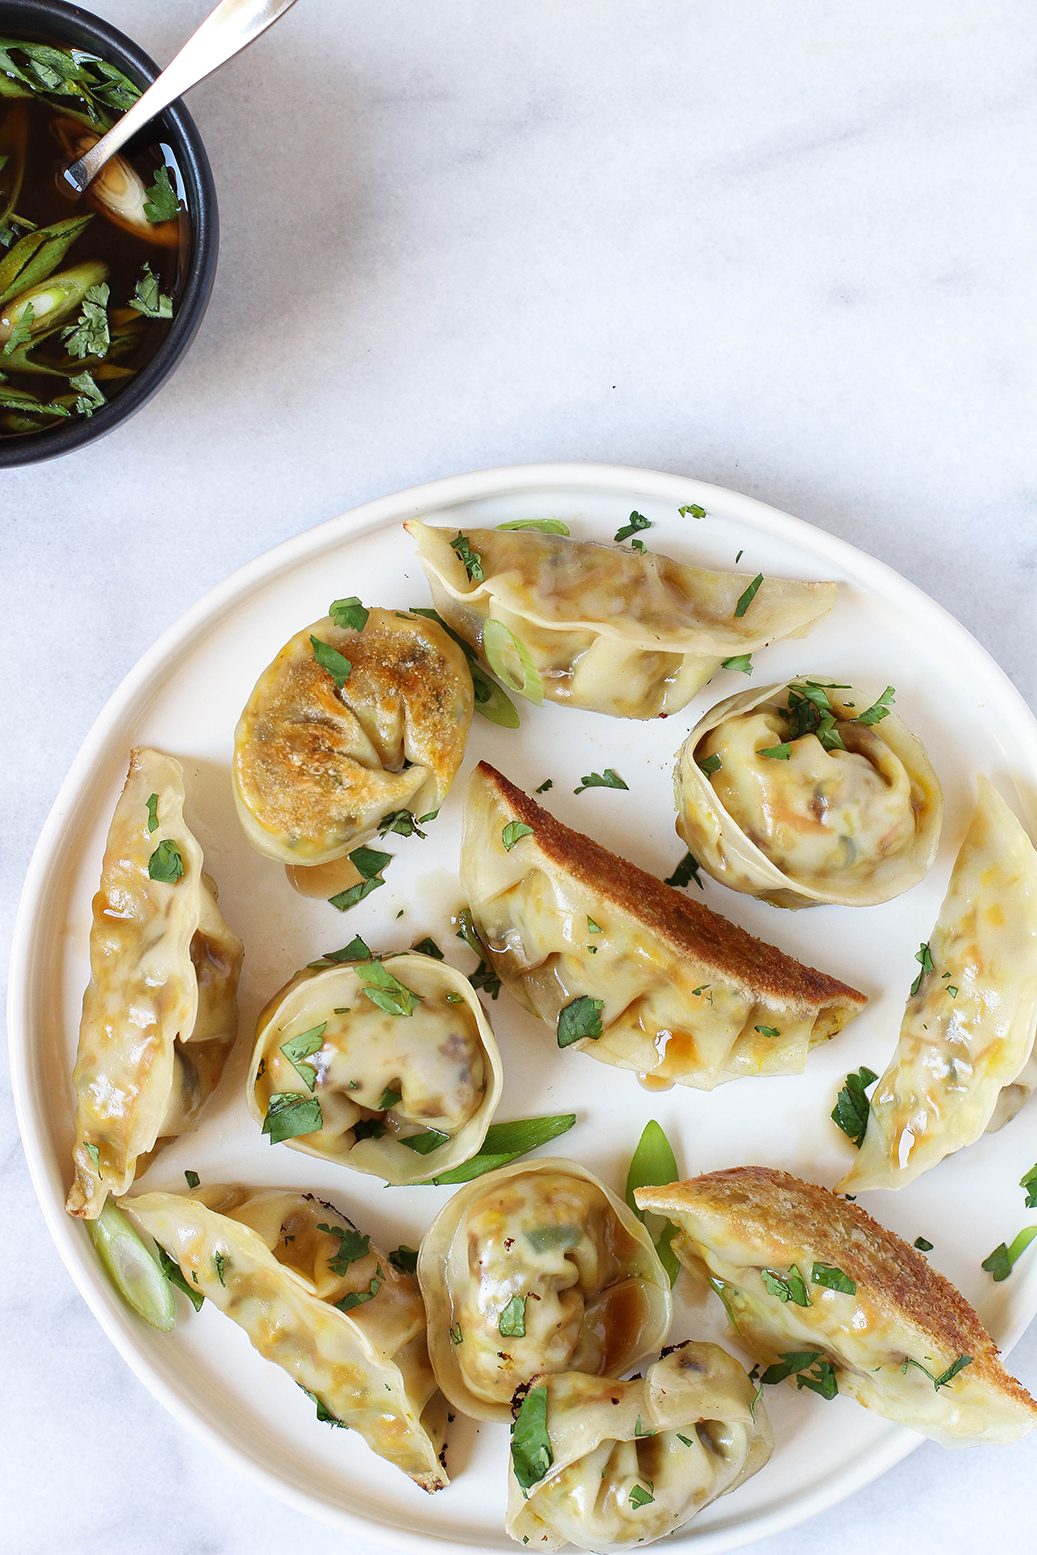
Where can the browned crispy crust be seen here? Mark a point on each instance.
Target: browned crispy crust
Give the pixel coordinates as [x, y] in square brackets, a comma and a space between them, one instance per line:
[688, 926]
[764, 1206]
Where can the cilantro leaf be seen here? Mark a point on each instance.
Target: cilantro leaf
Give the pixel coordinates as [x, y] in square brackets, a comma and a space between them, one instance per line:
[514, 832]
[163, 201]
[926, 961]
[301, 1047]
[193, 1179]
[747, 598]
[791, 1288]
[1000, 1262]
[386, 991]
[639, 1496]
[153, 813]
[709, 764]
[356, 1298]
[472, 560]
[686, 871]
[548, 783]
[820, 1379]
[512, 1323]
[95, 1156]
[356, 950]
[166, 863]
[740, 661]
[545, 526]
[289, 1114]
[221, 1263]
[148, 300]
[692, 508]
[389, 1099]
[174, 1274]
[348, 613]
[952, 1371]
[878, 710]
[777, 752]
[791, 1361]
[89, 335]
[428, 947]
[324, 1414]
[368, 863]
[831, 1278]
[606, 779]
[922, 1245]
[402, 822]
[330, 660]
[351, 1247]
[531, 1454]
[637, 521]
[767, 1031]
[89, 397]
[368, 1128]
[581, 1018]
[405, 1259]
[852, 1108]
[1029, 1182]
[424, 1143]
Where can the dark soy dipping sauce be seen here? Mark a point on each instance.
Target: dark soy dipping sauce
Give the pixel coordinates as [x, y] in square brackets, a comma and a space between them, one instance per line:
[44, 199]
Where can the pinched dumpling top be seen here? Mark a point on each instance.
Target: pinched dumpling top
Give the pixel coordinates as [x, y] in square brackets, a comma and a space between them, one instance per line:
[345, 727]
[627, 1462]
[629, 633]
[160, 1013]
[809, 792]
[343, 1319]
[534, 1268]
[388, 1065]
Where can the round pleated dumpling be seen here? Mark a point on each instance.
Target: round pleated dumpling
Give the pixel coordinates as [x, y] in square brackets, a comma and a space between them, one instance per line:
[602, 1464]
[809, 792]
[388, 1065]
[537, 1268]
[348, 725]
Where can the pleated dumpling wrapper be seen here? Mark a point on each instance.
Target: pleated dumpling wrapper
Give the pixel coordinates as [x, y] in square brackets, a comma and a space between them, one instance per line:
[603, 1465]
[388, 1065]
[160, 1012]
[346, 727]
[632, 634]
[808, 792]
[964, 1063]
[630, 970]
[537, 1267]
[345, 1321]
[825, 1298]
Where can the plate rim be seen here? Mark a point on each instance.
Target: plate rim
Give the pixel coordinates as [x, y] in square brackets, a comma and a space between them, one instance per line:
[207, 611]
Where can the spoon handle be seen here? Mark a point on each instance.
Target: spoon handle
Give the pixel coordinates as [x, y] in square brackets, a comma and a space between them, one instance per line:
[228, 29]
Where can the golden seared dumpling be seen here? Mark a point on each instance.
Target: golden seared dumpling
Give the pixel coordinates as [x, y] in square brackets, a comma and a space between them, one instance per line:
[828, 1300]
[345, 1321]
[965, 1060]
[388, 1065]
[632, 634]
[808, 792]
[160, 1013]
[628, 970]
[346, 726]
[602, 1464]
[536, 1268]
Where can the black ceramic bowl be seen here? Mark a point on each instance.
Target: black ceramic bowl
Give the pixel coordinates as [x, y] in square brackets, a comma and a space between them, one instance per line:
[71, 26]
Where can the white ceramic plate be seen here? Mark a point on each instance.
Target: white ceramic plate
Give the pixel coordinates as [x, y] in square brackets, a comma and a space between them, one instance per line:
[185, 696]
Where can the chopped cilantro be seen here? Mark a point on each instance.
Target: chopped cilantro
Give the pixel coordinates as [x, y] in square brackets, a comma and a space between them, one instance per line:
[780, 752]
[162, 203]
[386, 991]
[330, 660]
[686, 871]
[926, 961]
[174, 1274]
[148, 299]
[428, 947]
[288, 1115]
[193, 1179]
[747, 598]
[741, 661]
[767, 1031]
[351, 1246]
[637, 521]
[221, 1263]
[709, 764]
[512, 1323]
[89, 335]
[302, 1046]
[581, 1018]
[791, 1288]
[1001, 1261]
[153, 813]
[356, 1298]
[348, 613]
[356, 950]
[922, 1245]
[639, 1496]
[166, 863]
[531, 1454]
[606, 779]
[472, 560]
[831, 1278]
[1029, 1182]
[545, 785]
[514, 832]
[878, 710]
[852, 1107]
[404, 1258]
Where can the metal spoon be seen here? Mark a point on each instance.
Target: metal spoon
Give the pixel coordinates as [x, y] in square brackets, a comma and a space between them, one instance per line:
[232, 26]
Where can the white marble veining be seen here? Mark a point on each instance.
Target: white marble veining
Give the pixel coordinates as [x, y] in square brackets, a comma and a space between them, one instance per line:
[784, 247]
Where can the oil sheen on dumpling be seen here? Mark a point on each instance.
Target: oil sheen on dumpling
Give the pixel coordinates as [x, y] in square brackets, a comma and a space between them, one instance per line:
[160, 1013]
[851, 815]
[684, 995]
[964, 1062]
[782, 1253]
[317, 766]
[348, 1067]
[344, 1321]
[632, 1461]
[612, 630]
[534, 1268]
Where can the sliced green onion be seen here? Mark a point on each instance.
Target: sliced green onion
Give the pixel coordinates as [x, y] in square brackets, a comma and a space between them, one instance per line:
[504, 1142]
[498, 642]
[654, 1165]
[131, 1268]
[545, 526]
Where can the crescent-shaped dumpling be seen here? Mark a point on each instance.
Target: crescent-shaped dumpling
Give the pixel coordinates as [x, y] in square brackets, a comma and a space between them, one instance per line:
[632, 634]
[964, 1061]
[633, 1461]
[345, 1321]
[825, 1298]
[387, 1065]
[535, 1268]
[160, 1013]
[784, 792]
[317, 765]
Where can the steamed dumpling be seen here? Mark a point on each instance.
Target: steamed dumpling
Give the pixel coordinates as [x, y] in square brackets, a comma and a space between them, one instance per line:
[844, 810]
[160, 1013]
[344, 1321]
[632, 1461]
[625, 968]
[318, 765]
[537, 1268]
[615, 631]
[827, 1299]
[965, 1060]
[354, 1060]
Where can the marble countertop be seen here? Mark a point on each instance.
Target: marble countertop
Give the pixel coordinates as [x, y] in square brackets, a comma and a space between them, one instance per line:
[784, 247]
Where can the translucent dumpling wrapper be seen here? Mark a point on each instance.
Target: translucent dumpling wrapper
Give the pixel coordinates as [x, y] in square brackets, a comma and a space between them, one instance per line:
[820, 1294]
[964, 1063]
[345, 1322]
[348, 1067]
[536, 1268]
[633, 1461]
[655, 981]
[847, 811]
[615, 631]
[160, 1012]
[318, 765]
